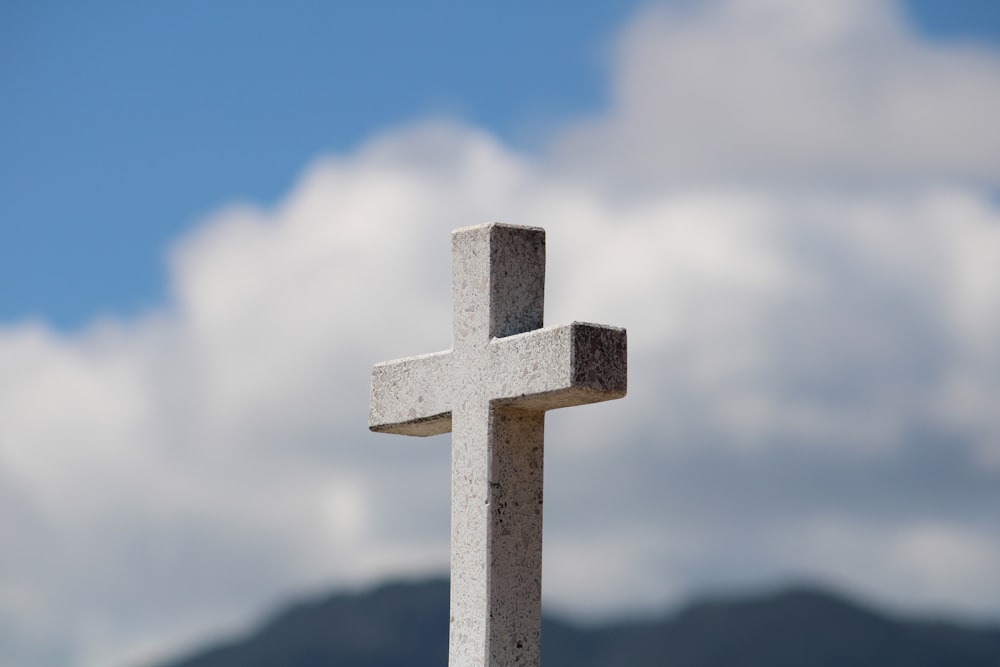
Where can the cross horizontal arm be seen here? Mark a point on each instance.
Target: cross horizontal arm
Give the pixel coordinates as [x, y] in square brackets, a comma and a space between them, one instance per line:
[410, 396]
[561, 366]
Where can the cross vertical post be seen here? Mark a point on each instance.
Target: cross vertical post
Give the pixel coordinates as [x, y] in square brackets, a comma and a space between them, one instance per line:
[491, 390]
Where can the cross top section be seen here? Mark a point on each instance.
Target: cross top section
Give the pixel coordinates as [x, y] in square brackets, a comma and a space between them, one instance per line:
[491, 390]
[498, 291]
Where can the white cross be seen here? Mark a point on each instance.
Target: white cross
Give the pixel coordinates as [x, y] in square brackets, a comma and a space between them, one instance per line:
[491, 390]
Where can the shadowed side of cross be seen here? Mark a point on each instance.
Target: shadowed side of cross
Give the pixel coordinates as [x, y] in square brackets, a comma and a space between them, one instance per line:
[491, 390]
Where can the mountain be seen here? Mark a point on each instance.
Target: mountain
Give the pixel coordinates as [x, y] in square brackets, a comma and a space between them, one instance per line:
[406, 625]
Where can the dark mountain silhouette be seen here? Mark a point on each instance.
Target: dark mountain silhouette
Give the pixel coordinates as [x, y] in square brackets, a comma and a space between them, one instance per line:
[406, 625]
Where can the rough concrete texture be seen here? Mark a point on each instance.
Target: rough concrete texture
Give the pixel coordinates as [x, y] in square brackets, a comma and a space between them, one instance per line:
[491, 390]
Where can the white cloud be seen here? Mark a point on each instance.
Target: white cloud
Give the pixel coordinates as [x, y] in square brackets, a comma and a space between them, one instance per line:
[799, 360]
[914, 565]
[786, 91]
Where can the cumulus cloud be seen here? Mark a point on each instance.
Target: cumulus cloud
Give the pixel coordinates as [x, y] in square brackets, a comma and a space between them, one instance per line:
[812, 371]
[774, 90]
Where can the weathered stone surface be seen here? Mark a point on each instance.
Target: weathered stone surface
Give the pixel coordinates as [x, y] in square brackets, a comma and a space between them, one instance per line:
[491, 390]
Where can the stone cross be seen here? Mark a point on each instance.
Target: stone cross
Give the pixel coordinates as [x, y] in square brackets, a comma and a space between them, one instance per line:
[491, 390]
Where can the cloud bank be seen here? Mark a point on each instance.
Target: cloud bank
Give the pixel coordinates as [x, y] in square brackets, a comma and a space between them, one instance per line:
[791, 210]
[776, 91]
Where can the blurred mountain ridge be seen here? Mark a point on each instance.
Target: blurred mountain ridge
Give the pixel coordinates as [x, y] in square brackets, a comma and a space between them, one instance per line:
[405, 624]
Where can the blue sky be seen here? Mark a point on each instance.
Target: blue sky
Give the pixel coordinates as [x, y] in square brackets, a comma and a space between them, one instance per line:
[215, 217]
[126, 123]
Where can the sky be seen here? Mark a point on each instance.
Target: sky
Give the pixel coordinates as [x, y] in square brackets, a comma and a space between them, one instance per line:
[215, 218]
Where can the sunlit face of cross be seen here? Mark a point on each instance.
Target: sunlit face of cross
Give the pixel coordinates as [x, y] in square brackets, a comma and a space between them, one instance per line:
[492, 390]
